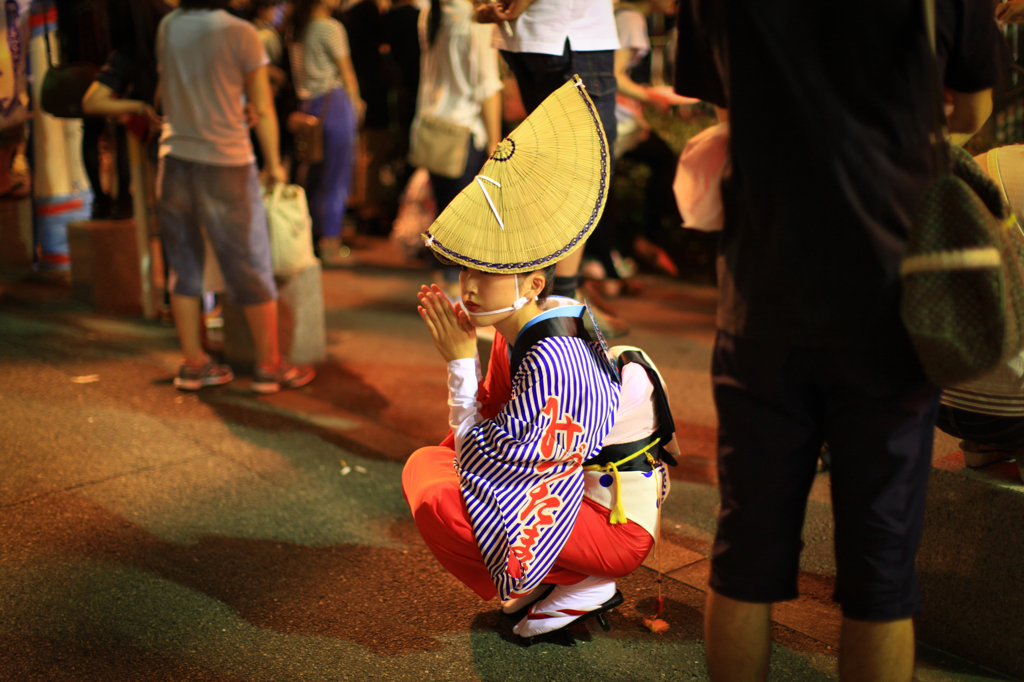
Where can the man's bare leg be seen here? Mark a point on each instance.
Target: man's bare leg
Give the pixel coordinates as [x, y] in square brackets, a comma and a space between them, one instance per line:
[879, 652]
[737, 637]
[262, 319]
[187, 318]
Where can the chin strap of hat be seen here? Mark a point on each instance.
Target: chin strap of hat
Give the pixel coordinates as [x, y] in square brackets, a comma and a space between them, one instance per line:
[520, 302]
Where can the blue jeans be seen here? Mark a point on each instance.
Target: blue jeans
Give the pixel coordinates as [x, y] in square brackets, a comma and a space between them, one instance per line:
[228, 203]
[330, 197]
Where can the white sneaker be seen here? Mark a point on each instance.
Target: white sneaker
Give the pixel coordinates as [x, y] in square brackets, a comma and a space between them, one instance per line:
[568, 604]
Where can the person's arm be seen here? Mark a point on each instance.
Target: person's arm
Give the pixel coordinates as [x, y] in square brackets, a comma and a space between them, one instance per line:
[502, 10]
[976, 57]
[490, 109]
[1010, 12]
[455, 339]
[970, 111]
[628, 87]
[348, 77]
[277, 77]
[463, 402]
[100, 100]
[257, 90]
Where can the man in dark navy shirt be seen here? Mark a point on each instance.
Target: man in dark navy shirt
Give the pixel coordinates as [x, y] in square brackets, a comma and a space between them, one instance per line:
[829, 148]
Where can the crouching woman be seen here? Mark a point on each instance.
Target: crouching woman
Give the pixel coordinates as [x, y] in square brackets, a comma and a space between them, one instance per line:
[549, 485]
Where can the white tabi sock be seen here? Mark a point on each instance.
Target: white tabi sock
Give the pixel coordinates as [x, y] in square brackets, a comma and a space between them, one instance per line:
[565, 604]
[517, 603]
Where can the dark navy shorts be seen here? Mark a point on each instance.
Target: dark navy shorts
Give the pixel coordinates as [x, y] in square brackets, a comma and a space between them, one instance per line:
[227, 202]
[776, 405]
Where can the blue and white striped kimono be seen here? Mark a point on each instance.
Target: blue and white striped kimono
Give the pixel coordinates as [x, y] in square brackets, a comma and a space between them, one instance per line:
[522, 472]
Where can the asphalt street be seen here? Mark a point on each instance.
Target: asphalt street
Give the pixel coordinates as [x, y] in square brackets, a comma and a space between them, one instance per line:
[148, 534]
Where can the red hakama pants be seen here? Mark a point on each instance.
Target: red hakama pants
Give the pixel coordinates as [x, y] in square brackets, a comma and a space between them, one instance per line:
[594, 548]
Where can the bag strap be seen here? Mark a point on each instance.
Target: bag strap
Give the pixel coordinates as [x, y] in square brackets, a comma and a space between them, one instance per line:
[553, 326]
[46, 34]
[940, 149]
[666, 423]
[474, 61]
[993, 157]
[146, 55]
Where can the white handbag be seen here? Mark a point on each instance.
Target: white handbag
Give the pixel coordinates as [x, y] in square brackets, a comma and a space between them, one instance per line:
[291, 229]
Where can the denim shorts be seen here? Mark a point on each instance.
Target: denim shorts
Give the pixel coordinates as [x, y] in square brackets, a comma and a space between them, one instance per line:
[226, 201]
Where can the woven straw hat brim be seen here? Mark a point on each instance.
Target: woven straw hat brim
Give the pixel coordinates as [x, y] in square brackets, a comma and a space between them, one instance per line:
[538, 197]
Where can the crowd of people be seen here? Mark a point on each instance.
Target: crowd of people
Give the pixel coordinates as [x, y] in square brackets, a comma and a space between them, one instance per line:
[368, 74]
[547, 488]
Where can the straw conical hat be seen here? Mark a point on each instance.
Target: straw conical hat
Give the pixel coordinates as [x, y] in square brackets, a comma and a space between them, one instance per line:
[539, 195]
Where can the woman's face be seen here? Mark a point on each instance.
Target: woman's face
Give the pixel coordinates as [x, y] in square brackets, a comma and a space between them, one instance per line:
[483, 291]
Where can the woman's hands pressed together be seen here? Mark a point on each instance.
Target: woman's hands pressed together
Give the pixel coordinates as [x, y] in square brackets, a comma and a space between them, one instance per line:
[453, 333]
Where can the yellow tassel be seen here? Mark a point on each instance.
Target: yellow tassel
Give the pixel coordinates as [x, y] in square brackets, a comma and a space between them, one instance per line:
[618, 514]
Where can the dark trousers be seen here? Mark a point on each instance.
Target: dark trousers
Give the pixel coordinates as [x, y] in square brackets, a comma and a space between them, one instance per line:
[539, 75]
[776, 403]
[92, 129]
[446, 189]
[658, 198]
[658, 201]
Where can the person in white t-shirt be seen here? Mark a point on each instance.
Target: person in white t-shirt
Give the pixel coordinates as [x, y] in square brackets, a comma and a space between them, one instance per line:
[544, 43]
[210, 63]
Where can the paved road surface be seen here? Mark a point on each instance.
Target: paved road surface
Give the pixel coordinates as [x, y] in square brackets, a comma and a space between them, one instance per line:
[147, 534]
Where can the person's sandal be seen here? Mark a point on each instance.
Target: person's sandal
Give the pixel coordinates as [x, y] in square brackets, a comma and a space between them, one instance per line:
[581, 616]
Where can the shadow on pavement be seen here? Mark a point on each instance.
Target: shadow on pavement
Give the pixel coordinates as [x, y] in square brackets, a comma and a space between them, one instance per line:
[28, 657]
[388, 601]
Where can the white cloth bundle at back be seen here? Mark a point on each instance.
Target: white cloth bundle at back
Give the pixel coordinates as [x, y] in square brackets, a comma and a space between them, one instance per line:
[698, 184]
